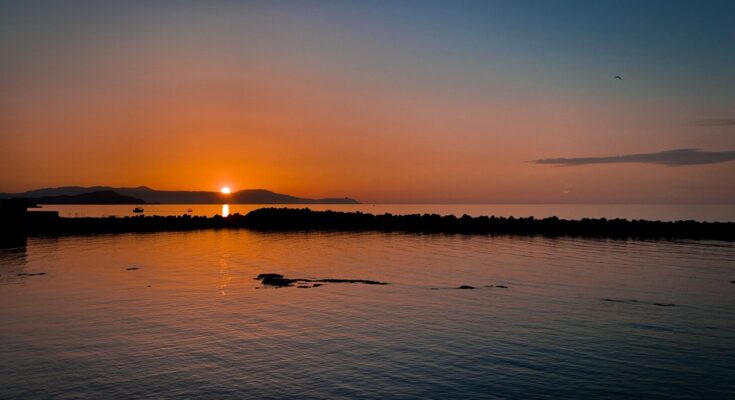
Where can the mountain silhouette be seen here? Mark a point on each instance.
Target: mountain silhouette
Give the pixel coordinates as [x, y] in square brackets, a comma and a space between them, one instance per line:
[97, 197]
[148, 195]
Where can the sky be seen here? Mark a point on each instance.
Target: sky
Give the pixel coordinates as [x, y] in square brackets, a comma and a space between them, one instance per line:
[382, 101]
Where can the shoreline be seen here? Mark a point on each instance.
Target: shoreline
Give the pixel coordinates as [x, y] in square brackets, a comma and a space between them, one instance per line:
[304, 219]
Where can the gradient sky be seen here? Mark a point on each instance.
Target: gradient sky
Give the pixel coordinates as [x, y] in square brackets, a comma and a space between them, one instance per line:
[395, 101]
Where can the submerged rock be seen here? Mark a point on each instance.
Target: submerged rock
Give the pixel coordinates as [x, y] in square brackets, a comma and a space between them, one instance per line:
[263, 276]
[30, 274]
[278, 280]
[501, 286]
[132, 268]
[634, 301]
[363, 281]
[465, 287]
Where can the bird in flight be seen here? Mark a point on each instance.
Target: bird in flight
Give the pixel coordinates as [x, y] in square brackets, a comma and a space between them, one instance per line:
[618, 77]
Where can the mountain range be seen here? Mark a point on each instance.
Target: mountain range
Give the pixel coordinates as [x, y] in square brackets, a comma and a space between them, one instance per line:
[131, 195]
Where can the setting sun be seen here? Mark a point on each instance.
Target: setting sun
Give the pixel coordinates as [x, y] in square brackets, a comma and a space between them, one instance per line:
[225, 190]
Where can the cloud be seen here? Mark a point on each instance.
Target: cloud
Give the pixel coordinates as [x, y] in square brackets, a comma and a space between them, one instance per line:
[670, 157]
[715, 122]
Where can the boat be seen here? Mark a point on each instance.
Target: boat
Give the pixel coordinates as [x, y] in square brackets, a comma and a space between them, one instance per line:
[189, 210]
[137, 210]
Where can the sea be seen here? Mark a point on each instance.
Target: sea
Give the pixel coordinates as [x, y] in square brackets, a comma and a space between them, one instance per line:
[181, 315]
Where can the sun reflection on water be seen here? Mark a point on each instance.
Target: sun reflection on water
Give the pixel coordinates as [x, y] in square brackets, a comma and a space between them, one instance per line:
[225, 210]
[224, 272]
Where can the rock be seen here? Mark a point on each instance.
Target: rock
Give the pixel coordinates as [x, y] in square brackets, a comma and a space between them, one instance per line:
[366, 282]
[276, 280]
[501, 286]
[303, 286]
[634, 301]
[279, 280]
[466, 287]
[264, 276]
[132, 268]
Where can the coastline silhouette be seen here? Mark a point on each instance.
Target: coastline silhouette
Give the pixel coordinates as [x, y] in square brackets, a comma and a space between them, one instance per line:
[19, 222]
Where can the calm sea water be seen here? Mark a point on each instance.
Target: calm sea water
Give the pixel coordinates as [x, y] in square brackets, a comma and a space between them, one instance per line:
[567, 211]
[192, 323]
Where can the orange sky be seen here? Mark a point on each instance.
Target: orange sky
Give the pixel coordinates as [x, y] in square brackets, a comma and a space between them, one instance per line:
[346, 116]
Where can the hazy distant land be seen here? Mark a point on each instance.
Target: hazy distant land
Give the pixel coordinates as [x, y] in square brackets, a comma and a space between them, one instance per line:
[144, 194]
[98, 197]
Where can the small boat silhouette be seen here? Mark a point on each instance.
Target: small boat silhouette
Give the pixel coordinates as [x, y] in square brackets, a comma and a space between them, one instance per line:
[189, 210]
[137, 210]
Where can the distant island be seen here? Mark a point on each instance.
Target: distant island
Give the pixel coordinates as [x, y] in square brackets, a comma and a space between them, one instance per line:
[98, 197]
[144, 194]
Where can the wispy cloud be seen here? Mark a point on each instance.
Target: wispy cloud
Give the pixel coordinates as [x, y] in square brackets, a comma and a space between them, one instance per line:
[715, 122]
[670, 157]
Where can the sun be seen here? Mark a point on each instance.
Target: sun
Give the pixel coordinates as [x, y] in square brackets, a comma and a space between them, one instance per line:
[225, 190]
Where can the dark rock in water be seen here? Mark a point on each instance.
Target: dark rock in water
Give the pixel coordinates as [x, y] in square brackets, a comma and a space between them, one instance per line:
[132, 268]
[501, 286]
[149, 285]
[332, 280]
[264, 276]
[434, 288]
[732, 281]
[278, 280]
[21, 274]
[41, 273]
[303, 287]
[634, 301]
[466, 287]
